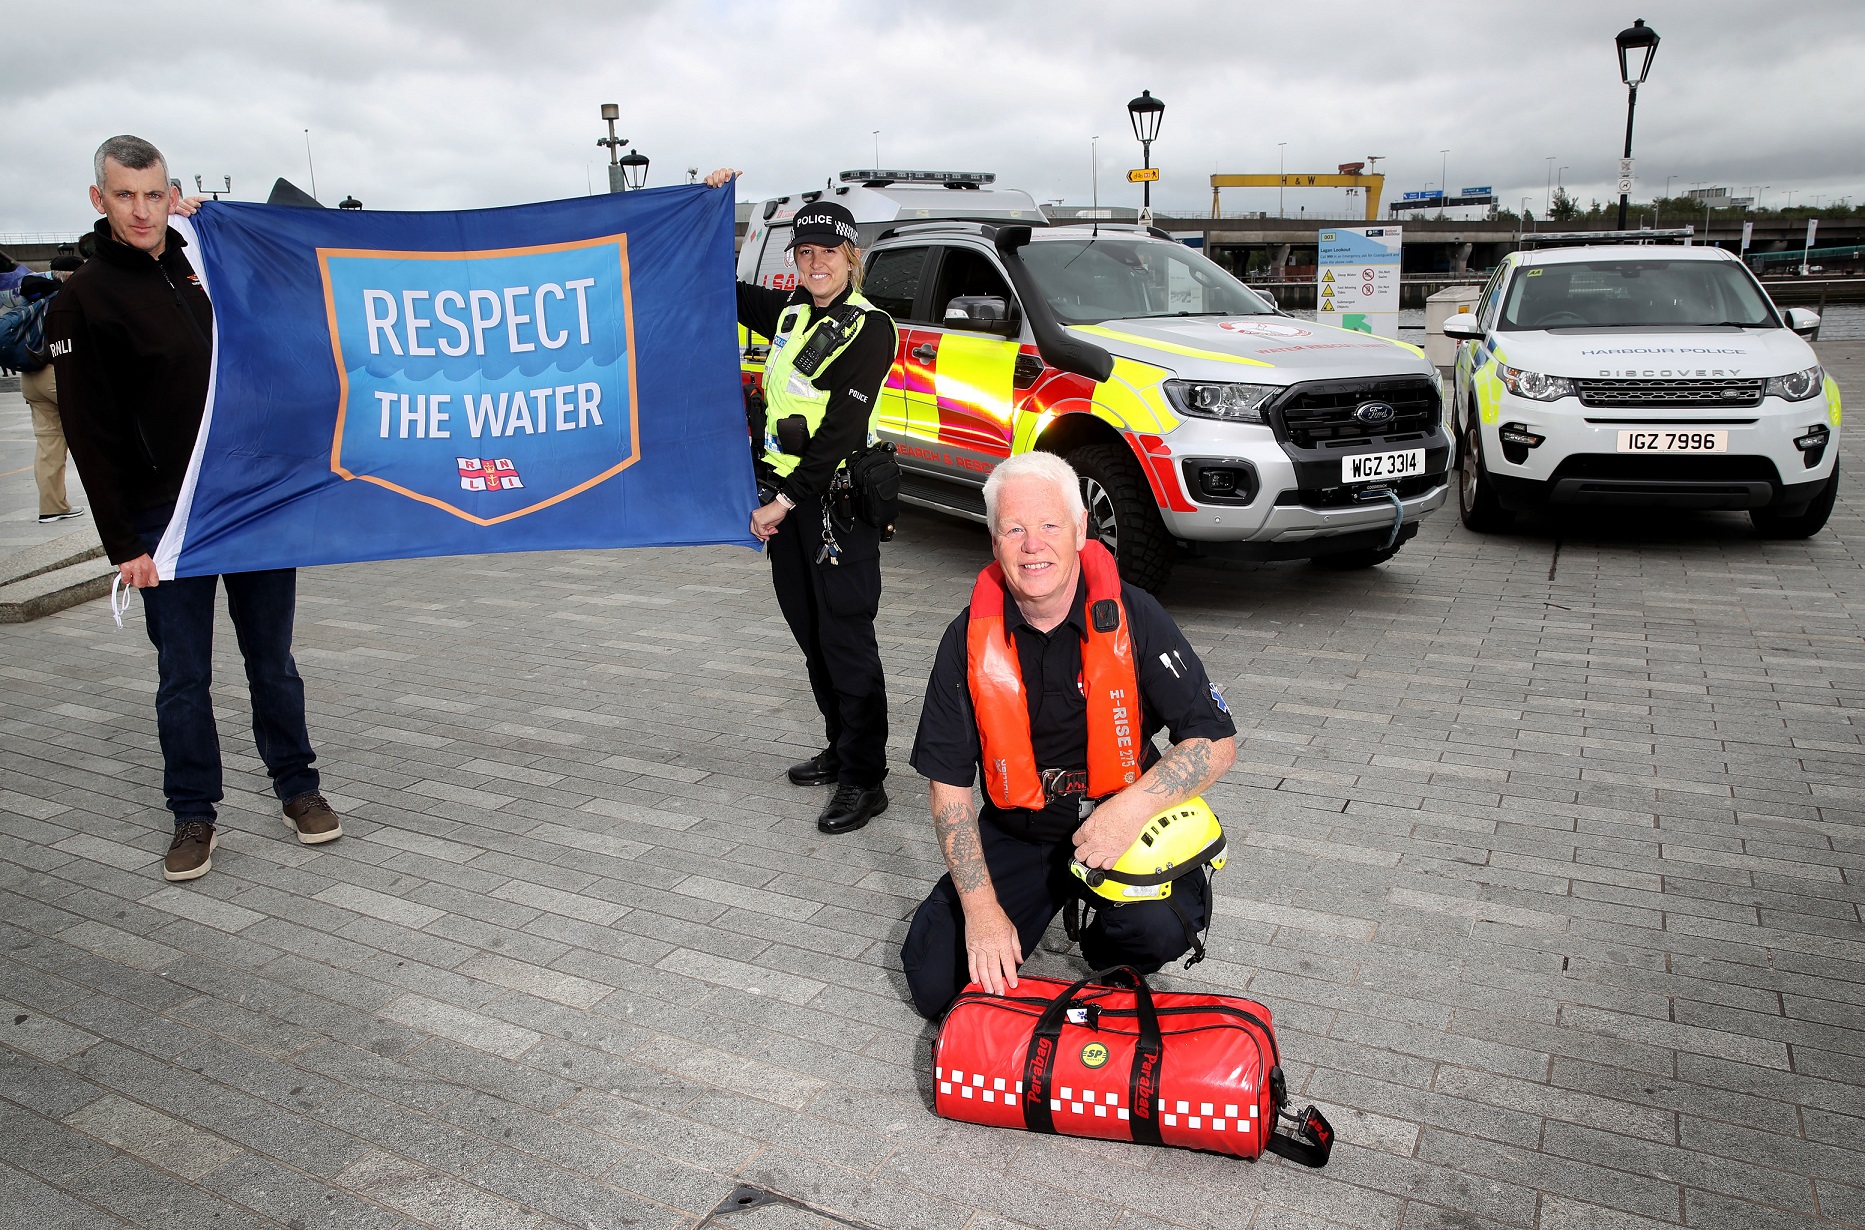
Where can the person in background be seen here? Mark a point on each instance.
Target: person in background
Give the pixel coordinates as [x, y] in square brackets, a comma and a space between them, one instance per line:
[39, 385]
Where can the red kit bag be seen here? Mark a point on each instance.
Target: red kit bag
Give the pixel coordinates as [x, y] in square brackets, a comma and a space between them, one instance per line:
[1194, 1071]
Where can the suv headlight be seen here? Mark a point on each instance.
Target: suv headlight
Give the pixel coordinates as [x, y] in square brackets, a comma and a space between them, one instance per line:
[1230, 403]
[1534, 385]
[1797, 386]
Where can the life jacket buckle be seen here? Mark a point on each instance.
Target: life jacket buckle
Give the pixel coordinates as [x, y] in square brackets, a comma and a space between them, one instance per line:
[1061, 783]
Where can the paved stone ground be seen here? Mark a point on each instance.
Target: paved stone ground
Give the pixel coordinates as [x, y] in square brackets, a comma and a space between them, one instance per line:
[1548, 858]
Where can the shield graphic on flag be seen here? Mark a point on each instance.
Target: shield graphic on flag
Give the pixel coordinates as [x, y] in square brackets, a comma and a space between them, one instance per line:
[519, 361]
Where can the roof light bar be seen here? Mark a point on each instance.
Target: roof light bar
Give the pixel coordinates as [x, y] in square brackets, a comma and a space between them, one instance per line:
[917, 177]
[1559, 238]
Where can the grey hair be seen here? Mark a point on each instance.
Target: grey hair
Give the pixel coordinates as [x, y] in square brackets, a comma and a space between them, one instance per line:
[133, 153]
[1046, 466]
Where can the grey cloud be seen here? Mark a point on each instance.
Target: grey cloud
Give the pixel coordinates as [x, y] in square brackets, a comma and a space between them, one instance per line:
[419, 104]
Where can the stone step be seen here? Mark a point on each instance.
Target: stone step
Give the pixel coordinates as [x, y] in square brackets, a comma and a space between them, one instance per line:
[58, 553]
[45, 593]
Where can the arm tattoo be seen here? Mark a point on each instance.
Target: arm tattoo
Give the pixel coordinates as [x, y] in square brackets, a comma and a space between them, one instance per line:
[1182, 772]
[957, 826]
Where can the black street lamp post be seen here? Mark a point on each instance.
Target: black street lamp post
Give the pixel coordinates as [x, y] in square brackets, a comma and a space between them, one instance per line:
[1638, 44]
[1146, 112]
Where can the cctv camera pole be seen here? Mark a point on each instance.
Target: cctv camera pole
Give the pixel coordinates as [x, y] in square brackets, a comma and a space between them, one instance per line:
[618, 181]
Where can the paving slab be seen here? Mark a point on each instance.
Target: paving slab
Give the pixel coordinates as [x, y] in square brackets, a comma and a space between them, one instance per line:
[1549, 854]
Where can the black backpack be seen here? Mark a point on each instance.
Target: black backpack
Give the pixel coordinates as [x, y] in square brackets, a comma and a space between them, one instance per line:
[22, 337]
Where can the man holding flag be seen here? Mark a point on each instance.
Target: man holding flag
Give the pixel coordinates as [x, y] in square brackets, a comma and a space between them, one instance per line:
[131, 336]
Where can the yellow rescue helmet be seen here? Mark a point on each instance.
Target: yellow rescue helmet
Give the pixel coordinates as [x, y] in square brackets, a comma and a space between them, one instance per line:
[1175, 842]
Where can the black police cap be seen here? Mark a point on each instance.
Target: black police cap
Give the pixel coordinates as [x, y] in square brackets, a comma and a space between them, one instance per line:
[825, 224]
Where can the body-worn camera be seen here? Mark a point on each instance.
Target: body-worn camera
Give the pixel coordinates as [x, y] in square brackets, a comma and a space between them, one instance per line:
[793, 434]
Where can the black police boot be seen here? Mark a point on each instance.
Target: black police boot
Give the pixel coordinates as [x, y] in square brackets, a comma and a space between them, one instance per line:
[818, 770]
[851, 807]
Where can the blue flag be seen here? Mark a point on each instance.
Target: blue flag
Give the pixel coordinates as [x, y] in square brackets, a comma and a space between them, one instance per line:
[393, 385]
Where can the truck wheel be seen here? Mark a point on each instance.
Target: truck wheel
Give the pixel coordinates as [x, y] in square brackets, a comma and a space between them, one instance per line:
[1122, 514]
[1770, 524]
[1476, 496]
[1348, 561]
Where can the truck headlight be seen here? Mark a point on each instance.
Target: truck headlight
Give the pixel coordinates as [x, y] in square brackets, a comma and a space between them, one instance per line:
[1797, 386]
[1534, 385]
[1230, 403]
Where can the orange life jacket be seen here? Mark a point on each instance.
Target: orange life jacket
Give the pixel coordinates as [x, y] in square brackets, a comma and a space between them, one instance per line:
[1011, 778]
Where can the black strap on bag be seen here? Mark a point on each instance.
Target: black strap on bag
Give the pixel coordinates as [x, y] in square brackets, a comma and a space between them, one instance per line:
[1306, 1138]
[1039, 1060]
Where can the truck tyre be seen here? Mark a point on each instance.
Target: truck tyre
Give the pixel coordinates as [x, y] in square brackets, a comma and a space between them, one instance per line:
[1476, 495]
[1122, 514]
[1770, 524]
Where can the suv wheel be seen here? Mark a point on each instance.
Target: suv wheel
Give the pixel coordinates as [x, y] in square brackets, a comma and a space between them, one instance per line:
[1476, 496]
[1770, 524]
[1122, 515]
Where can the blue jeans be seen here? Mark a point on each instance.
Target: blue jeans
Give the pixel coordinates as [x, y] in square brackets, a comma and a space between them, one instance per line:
[179, 617]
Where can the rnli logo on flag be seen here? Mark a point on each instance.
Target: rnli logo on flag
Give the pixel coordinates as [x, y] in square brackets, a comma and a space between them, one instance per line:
[497, 474]
[526, 352]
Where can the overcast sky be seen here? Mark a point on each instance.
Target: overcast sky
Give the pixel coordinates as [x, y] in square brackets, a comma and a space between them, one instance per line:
[442, 104]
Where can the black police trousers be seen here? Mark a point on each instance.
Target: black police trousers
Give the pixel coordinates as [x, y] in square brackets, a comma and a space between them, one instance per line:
[830, 609]
[1033, 885]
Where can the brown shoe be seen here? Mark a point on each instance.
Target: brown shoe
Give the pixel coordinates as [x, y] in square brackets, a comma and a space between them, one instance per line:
[191, 854]
[312, 817]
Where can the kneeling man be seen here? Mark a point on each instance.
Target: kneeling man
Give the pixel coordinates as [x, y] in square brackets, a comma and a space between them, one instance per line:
[1036, 681]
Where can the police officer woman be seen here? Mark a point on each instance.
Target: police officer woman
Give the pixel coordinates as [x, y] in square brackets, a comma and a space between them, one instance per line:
[830, 353]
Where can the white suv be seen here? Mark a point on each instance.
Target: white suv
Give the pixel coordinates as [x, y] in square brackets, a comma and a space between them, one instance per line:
[1641, 375]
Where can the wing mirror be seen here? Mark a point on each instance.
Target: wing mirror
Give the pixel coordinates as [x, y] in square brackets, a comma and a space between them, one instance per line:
[1805, 322]
[1463, 327]
[1267, 296]
[989, 313]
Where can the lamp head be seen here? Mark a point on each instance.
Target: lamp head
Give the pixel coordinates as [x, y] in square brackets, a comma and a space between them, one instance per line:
[1638, 43]
[611, 111]
[1146, 112]
[635, 167]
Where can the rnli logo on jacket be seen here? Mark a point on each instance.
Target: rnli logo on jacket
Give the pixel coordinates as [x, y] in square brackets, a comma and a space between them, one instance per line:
[459, 371]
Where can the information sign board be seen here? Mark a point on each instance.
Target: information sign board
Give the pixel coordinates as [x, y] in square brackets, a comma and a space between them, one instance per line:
[1357, 279]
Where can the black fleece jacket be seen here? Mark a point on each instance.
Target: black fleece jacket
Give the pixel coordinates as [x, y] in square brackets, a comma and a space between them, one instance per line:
[131, 337]
[853, 380]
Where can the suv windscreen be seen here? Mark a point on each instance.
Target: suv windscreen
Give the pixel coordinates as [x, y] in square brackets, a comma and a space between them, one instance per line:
[1632, 294]
[1090, 280]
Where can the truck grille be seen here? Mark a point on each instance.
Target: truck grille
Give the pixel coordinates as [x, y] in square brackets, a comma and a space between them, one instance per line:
[1647, 394]
[1321, 412]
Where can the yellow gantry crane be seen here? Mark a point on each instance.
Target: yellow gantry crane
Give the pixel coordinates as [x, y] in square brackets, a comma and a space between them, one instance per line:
[1350, 175]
